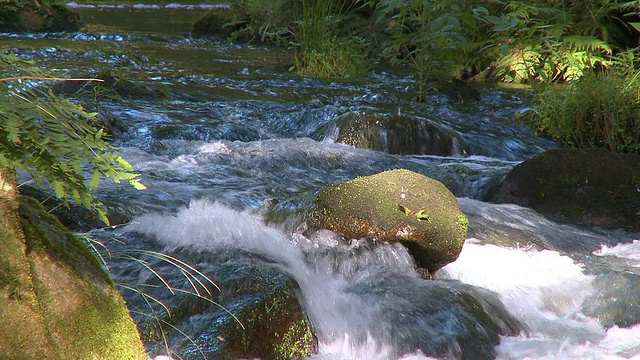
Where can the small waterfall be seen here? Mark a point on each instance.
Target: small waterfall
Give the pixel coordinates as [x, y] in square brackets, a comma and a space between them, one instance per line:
[364, 300]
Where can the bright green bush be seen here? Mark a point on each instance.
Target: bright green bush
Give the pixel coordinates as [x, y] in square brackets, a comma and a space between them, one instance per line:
[53, 139]
[600, 110]
[321, 50]
[552, 40]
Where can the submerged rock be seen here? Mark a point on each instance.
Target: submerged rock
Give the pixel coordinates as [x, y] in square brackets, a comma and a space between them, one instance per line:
[396, 134]
[593, 187]
[396, 205]
[616, 300]
[444, 319]
[56, 302]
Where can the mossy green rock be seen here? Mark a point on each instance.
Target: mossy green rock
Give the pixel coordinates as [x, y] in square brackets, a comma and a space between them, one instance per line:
[37, 16]
[56, 302]
[593, 187]
[396, 205]
[276, 327]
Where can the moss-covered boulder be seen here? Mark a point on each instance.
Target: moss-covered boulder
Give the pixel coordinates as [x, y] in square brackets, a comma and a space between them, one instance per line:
[275, 327]
[37, 16]
[396, 205]
[396, 134]
[593, 187]
[269, 322]
[56, 302]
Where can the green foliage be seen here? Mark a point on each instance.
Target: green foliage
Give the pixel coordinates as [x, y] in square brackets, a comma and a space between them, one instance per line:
[324, 53]
[425, 35]
[335, 58]
[550, 41]
[262, 20]
[53, 139]
[599, 110]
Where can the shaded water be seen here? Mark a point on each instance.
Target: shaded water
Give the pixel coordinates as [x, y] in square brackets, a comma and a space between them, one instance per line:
[230, 167]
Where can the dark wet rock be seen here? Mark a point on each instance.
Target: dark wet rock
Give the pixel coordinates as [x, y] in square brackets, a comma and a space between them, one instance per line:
[593, 187]
[36, 16]
[616, 301]
[455, 320]
[75, 217]
[112, 125]
[394, 134]
[112, 87]
[455, 91]
[396, 205]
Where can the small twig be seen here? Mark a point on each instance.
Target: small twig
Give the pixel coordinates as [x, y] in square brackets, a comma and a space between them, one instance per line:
[45, 78]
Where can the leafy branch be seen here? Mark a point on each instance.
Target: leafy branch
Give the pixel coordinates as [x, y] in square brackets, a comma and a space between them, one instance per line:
[53, 139]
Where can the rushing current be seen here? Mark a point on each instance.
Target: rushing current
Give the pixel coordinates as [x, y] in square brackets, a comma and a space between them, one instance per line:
[231, 157]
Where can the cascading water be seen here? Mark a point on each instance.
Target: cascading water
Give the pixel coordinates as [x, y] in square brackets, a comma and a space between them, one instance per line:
[230, 167]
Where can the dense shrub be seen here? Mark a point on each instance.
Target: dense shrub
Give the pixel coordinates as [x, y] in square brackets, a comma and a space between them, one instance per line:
[600, 110]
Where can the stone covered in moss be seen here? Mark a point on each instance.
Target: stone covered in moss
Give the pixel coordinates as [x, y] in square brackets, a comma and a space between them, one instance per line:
[276, 327]
[396, 205]
[265, 301]
[37, 16]
[592, 187]
[396, 134]
[56, 302]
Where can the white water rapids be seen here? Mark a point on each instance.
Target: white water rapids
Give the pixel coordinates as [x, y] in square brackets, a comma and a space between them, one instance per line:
[543, 289]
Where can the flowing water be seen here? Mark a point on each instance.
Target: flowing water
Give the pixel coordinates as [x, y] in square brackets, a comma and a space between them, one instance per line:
[231, 160]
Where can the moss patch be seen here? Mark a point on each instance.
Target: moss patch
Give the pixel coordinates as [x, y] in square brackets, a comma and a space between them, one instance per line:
[275, 328]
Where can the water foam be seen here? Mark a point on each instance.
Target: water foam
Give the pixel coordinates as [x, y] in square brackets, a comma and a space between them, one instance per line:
[631, 252]
[545, 290]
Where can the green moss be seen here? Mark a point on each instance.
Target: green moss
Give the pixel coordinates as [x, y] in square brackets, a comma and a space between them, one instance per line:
[275, 327]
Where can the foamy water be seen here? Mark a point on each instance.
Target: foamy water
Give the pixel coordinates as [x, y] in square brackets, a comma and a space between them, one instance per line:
[543, 289]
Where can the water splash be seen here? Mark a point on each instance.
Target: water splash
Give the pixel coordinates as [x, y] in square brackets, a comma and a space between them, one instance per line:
[545, 290]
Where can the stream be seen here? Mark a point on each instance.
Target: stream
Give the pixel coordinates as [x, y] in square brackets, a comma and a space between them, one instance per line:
[232, 158]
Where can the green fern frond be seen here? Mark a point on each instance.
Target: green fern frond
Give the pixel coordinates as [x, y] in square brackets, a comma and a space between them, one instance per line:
[586, 43]
[54, 139]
